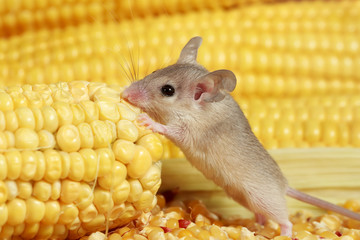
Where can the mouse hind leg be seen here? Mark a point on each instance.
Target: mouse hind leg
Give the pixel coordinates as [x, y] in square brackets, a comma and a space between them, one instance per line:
[274, 208]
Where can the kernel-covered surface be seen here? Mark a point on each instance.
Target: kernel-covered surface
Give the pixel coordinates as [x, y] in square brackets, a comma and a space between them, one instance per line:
[73, 160]
[191, 220]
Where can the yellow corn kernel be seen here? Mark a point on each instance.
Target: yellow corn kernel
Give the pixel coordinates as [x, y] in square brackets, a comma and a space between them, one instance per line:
[55, 190]
[135, 190]
[29, 165]
[124, 150]
[108, 111]
[6, 102]
[14, 163]
[6, 232]
[333, 222]
[51, 121]
[3, 142]
[68, 213]
[153, 144]
[121, 192]
[52, 212]
[16, 211]
[40, 166]
[116, 236]
[88, 214]
[3, 167]
[45, 231]
[46, 139]
[70, 191]
[86, 196]
[18, 229]
[30, 231]
[95, 224]
[146, 201]
[112, 127]
[53, 165]
[11, 121]
[26, 138]
[91, 110]
[103, 200]
[140, 164]
[78, 114]
[38, 118]
[68, 138]
[116, 212]
[127, 130]
[10, 139]
[115, 178]
[18, 98]
[172, 223]
[25, 118]
[12, 189]
[90, 159]
[64, 112]
[74, 225]
[102, 134]
[35, 210]
[86, 135]
[77, 167]
[127, 112]
[3, 214]
[151, 178]
[60, 231]
[352, 204]
[203, 235]
[24, 189]
[42, 190]
[105, 159]
[2, 121]
[3, 192]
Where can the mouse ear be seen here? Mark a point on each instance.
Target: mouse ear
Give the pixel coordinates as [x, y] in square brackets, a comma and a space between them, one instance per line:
[189, 52]
[213, 86]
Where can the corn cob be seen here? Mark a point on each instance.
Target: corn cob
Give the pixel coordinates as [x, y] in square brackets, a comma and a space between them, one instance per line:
[73, 160]
[272, 52]
[17, 17]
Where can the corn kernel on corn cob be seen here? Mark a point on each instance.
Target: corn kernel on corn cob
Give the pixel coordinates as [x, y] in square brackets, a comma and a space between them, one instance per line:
[73, 160]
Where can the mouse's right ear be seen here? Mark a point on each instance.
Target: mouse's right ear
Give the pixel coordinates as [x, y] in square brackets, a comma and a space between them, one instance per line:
[189, 52]
[213, 86]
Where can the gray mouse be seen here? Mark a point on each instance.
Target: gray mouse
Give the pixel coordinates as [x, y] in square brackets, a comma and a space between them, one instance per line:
[193, 108]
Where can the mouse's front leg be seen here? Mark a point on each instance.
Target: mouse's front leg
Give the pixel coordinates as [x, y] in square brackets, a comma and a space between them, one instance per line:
[146, 121]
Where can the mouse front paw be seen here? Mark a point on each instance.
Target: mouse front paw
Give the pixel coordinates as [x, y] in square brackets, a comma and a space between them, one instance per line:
[150, 124]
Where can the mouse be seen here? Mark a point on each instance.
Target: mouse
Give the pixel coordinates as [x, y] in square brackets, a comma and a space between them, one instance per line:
[194, 109]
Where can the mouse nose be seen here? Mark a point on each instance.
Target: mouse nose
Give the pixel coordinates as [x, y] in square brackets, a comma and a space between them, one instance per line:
[125, 94]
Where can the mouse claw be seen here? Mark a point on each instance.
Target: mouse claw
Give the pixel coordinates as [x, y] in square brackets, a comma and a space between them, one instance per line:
[145, 120]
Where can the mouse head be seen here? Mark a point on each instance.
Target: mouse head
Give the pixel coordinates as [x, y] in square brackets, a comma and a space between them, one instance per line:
[179, 88]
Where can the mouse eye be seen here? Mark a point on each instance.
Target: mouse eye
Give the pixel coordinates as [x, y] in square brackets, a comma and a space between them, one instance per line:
[168, 90]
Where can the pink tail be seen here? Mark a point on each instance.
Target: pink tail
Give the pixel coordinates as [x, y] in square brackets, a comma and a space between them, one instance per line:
[321, 203]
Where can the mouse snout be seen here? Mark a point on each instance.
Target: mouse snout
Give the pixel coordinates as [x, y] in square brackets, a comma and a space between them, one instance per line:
[132, 95]
[125, 94]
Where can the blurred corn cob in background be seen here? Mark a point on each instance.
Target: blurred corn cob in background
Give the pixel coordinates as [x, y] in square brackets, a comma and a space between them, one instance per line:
[73, 161]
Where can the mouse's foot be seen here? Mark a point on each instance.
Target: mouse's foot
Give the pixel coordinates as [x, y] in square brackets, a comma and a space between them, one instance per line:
[146, 121]
[286, 229]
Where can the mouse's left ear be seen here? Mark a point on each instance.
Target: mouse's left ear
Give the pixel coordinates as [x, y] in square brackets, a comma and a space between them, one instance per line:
[213, 86]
